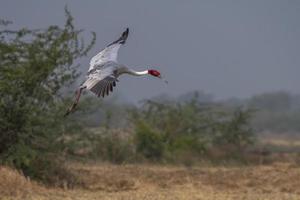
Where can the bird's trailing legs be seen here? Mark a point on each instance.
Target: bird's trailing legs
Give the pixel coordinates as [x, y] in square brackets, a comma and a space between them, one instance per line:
[77, 97]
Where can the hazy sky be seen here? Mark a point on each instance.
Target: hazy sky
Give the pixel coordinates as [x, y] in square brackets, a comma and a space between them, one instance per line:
[227, 48]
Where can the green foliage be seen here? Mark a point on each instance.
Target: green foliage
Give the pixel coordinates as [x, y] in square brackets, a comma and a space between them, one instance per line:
[148, 142]
[172, 129]
[237, 131]
[180, 133]
[34, 66]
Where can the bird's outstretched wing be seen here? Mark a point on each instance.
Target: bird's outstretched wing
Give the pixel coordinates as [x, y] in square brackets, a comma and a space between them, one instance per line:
[110, 53]
[101, 83]
[103, 87]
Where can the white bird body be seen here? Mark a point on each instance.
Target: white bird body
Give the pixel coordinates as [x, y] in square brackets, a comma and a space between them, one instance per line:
[104, 71]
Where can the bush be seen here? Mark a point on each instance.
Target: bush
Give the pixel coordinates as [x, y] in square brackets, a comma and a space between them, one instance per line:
[236, 133]
[148, 142]
[34, 66]
[168, 130]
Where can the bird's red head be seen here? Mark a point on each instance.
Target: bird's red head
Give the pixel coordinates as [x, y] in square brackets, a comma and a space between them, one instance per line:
[154, 72]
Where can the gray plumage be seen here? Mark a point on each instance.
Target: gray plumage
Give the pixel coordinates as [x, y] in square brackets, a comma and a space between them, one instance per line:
[104, 68]
[101, 78]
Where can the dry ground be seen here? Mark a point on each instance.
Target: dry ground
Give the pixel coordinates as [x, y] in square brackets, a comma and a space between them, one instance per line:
[137, 182]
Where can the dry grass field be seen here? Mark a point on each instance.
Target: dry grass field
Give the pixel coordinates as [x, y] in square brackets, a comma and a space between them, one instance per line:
[278, 181]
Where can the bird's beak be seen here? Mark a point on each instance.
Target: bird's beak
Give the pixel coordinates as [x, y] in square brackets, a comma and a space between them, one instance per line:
[163, 79]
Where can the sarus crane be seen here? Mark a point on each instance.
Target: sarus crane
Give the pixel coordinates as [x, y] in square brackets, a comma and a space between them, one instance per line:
[104, 71]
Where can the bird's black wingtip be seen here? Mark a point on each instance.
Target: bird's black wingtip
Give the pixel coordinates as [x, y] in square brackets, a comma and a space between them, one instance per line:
[124, 36]
[126, 32]
[122, 39]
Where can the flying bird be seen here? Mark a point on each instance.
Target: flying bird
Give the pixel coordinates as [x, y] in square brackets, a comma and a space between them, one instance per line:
[104, 71]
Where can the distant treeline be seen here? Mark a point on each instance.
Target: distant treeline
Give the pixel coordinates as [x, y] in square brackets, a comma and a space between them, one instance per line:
[275, 112]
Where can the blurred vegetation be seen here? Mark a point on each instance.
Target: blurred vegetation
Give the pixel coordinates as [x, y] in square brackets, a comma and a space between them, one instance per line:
[278, 112]
[168, 130]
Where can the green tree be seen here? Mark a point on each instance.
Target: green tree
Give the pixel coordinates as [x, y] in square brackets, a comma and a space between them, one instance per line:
[35, 64]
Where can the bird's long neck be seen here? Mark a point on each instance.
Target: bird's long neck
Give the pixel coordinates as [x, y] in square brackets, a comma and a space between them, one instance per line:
[137, 73]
